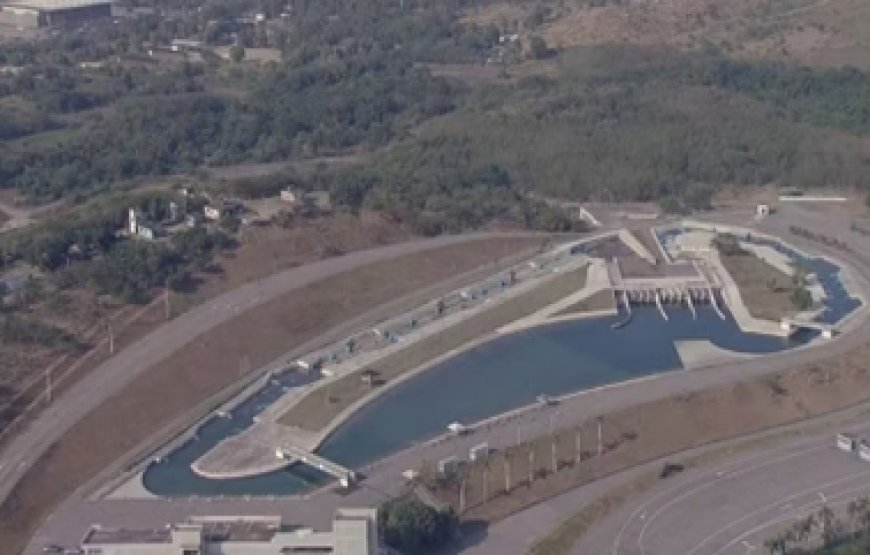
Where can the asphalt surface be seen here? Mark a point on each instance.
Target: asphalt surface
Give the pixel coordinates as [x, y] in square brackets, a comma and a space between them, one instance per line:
[746, 496]
[113, 375]
[71, 519]
[733, 508]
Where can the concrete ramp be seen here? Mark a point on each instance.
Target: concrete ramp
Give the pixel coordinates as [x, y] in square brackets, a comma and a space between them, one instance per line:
[632, 242]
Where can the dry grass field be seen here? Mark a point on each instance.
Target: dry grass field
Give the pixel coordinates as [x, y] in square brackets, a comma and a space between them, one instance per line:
[211, 363]
[766, 291]
[812, 32]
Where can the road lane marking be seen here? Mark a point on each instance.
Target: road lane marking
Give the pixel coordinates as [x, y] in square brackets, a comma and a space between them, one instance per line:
[770, 506]
[695, 490]
[803, 509]
[664, 493]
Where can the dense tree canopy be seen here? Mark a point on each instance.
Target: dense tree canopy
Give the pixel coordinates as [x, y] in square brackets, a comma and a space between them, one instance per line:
[414, 528]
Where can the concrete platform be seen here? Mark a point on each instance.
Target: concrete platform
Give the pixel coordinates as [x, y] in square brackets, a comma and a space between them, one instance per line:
[700, 353]
[253, 451]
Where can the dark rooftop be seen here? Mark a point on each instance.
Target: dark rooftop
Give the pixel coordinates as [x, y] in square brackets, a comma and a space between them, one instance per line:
[239, 531]
[97, 536]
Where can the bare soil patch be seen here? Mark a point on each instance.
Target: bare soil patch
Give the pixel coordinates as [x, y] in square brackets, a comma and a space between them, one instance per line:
[316, 410]
[212, 362]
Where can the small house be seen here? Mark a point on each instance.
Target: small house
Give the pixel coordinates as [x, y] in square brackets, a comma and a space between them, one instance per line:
[289, 196]
[134, 218]
[147, 232]
[183, 45]
[213, 213]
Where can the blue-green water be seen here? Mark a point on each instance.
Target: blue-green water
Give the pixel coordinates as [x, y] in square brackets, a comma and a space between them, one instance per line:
[503, 374]
[512, 371]
[498, 376]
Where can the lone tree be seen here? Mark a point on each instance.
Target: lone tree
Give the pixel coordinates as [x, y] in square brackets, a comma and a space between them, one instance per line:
[411, 526]
[538, 48]
[237, 53]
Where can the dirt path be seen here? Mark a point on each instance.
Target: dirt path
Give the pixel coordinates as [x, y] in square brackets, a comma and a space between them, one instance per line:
[19, 216]
[198, 354]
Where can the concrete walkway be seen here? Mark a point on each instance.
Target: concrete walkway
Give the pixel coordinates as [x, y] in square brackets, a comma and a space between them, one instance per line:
[252, 452]
[76, 514]
[114, 374]
[384, 477]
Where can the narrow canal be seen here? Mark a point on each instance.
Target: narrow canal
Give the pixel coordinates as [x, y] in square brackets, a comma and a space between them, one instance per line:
[501, 375]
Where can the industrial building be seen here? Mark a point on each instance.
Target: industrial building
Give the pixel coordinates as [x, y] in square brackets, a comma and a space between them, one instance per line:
[354, 532]
[33, 14]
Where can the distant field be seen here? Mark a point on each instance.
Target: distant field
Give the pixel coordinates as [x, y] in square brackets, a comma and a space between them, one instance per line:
[815, 32]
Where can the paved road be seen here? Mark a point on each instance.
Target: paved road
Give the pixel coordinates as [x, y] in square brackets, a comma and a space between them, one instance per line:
[113, 375]
[71, 519]
[711, 491]
[731, 509]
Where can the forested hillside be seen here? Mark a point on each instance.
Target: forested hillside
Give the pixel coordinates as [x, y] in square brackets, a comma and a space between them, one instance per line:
[587, 122]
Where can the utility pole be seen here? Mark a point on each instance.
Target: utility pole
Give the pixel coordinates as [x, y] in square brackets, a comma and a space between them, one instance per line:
[531, 465]
[110, 331]
[462, 496]
[507, 473]
[578, 453]
[168, 307]
[485, 485]
[600, 436]
[48, 385]
[519, 434]
[555, 460]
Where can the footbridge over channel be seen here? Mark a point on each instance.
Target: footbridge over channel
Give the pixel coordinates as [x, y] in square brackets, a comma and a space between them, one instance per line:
[344, 475]
[791, 325]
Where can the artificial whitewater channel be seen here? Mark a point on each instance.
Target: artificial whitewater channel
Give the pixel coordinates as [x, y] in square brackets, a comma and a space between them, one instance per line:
[506, 373]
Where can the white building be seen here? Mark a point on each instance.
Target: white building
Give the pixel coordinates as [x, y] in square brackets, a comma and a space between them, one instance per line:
[133, 220]
[354, 532]
[212, 213]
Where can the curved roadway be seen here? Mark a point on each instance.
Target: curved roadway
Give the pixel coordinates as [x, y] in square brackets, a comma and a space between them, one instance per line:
[732, 509]
[659, 535]
[114, 374]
